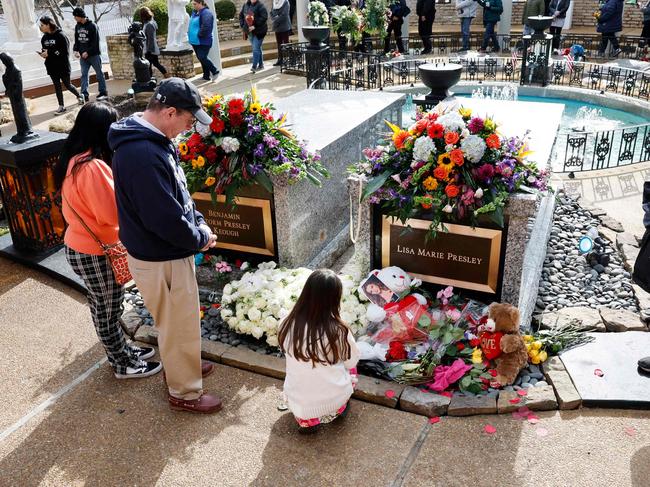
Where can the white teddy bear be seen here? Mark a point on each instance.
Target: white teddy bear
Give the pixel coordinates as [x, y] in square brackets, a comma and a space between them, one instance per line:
[398, 281]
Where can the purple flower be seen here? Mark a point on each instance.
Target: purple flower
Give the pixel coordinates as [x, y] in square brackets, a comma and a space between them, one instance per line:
[281, 158]
[259, 150]
[294, 172]
[485, 173]
[253, 130]
[374, 199]
[475, 125]
[270, 141]
[255, 168]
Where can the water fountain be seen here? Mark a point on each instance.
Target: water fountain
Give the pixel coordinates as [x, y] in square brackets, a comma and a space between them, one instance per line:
[439, 78]
[509, 92]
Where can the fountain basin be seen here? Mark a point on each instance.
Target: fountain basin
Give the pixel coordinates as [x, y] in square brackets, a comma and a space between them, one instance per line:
[439, 78]
[539, 23]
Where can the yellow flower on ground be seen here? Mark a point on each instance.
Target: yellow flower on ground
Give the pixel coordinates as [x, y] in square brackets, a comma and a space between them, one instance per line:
[202, 314]
[543, 356]
[255, 108]
[537, 345]
[182, 148]
[209, 181]
[535, 360]
[528, 338]
[430, 184]
[465, 112]
[477, 356]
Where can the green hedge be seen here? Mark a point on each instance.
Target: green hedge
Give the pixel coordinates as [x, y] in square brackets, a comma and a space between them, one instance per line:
[225, 9]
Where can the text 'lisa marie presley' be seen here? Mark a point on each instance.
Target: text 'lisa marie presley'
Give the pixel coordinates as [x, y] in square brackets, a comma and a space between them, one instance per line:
[440, 255]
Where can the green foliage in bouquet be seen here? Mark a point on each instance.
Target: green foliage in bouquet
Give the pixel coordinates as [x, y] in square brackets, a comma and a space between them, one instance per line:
[375, 19]
[348, 23]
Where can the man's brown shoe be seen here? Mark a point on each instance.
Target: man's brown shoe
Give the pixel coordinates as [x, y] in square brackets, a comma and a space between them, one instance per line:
[206, 404]
[206, 369]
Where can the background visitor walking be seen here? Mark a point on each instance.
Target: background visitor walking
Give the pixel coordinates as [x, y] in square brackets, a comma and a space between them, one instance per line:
[151, 49]
[398, 10]
[252, 20]
[56, 52]
[200, 37]
[162, 230]
[86, 180]
[466, 10]
[320, 352]
[426, 12]
[86, 48]
[558, 10]
[610, 21]
[492, 10]
[281, 25]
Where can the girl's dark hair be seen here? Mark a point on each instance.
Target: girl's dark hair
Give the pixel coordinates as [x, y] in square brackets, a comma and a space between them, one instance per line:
[49, 21]
[89, 133]
[145, 14]
[315, 330]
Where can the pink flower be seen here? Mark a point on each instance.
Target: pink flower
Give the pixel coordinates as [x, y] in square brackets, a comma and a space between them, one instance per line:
[222, 267]
[475, 125]
[453, 314]
[446, 375]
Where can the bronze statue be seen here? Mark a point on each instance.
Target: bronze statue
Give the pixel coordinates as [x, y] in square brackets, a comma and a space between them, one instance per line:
[13, 81]
[143, 80]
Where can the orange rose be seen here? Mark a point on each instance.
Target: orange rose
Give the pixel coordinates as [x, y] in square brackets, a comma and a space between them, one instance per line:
[457, 157]
[493, 141]
[440, 173]
[451, 138]
[451, 190]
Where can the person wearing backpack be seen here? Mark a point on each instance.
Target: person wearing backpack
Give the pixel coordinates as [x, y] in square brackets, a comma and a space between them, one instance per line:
[492, 10]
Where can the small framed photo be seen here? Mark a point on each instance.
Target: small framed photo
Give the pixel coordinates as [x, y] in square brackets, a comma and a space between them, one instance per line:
[378, 292]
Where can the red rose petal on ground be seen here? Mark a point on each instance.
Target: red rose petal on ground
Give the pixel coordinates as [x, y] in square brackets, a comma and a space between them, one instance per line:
[541, 432]
[524, 411]
[434, 419]
[522, 392]
[598, 373]
[515, 400]
[389, 394]
[489, 429]
[517, 415]
[446, 393]
[630, 431]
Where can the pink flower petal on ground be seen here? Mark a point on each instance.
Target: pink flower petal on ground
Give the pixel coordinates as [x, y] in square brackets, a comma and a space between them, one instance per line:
[598, 373]
[532, 419]
[541, 431]
[434, 419]
[630, 431]
[489, 429]
[446, 393]
[516, 400]
[522, 392]
[517, 415]
[523, 410]
[390, 393]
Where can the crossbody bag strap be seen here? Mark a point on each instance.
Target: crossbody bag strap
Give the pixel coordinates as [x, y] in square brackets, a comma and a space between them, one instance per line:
[92, 234]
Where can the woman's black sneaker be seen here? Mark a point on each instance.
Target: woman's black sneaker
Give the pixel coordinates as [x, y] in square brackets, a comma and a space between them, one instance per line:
[143, 353]
[146, 370]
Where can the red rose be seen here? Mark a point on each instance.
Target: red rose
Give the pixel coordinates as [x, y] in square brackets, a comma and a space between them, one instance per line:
[216, 305]
[475, 342]
[452, 190]
[238, 263]
[457, 157]
[492, 372]
[435, 130]
[396, 351]
[460, 346]
[485, 387]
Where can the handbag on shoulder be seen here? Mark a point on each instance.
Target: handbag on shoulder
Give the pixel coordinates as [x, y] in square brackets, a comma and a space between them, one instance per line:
[115, 253]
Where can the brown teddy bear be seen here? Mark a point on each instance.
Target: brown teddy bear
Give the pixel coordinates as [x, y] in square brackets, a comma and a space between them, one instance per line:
[502, 342]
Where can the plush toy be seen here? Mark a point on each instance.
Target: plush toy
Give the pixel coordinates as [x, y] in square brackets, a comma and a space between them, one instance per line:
[502, 342]
[372, 352]
[397, 281]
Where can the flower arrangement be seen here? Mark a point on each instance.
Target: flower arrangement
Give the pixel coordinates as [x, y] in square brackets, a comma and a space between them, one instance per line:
[317, 14]
[244, 144]
[348, 22]
[450, 167]
[261, 299]
[375, 17]
[223, 269]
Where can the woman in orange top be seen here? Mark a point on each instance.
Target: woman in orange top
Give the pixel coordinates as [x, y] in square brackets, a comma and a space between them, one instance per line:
[86, 181]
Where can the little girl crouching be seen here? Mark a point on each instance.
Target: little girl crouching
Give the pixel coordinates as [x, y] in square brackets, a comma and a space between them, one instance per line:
[321, 354]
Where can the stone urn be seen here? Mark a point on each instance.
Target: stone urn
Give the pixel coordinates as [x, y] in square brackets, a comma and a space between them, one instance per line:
[539, 24]
[439, 78]
[316, 35]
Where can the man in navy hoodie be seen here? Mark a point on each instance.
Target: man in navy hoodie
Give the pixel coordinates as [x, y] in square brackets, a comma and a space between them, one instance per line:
[161, 230]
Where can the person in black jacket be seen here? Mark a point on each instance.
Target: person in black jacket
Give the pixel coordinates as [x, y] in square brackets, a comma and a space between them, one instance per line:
[426, 12]
[252, 20]
[398, 10]
[56, 51]
[558, 10]
[86, 48]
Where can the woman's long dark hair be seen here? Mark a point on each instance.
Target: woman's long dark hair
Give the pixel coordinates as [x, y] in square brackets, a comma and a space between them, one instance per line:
[314, 327]
[89, 133]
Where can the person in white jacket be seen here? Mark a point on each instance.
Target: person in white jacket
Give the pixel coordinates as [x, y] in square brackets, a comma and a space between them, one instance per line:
[321, 354]
[466, 10]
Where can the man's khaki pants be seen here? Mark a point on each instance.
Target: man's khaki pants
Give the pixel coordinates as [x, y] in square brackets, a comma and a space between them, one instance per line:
[171, 295]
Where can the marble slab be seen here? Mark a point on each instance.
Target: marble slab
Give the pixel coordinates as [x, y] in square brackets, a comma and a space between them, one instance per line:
[621, 385]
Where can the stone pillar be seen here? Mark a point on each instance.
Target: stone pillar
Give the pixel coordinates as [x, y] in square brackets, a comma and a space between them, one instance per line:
[505, 24]
[301, 18]
[179, 63]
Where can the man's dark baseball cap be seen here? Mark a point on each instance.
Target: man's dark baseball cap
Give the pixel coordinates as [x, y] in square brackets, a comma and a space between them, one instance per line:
[178, 93]
[79, 12]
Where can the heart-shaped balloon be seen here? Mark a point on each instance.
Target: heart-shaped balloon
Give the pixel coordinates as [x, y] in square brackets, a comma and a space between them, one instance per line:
[491, 344]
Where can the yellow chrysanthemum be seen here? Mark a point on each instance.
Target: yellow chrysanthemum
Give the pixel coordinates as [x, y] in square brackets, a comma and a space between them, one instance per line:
[255, 108]
[209, 181]
[430, 184]
[490, 125]
[182, 148]
[477, 356]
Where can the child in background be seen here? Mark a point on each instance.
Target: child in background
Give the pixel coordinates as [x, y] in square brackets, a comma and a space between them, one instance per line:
[321, 354]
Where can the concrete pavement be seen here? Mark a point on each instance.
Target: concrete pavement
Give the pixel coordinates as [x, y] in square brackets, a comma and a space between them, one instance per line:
[108, 432]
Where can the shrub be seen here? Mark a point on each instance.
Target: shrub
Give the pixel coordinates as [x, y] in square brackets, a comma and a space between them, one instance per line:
[225, 10]
[159, 9]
